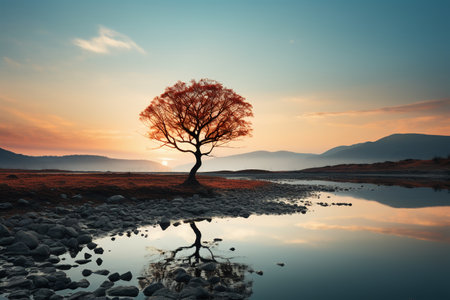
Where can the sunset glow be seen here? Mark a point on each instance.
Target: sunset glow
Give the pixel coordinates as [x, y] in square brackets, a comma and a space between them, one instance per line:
[318, 74]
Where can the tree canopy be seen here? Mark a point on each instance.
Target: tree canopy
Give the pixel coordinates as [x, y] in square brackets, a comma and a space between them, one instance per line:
[196, 118]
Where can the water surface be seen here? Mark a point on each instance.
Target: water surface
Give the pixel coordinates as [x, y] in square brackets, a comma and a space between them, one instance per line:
[392, 243]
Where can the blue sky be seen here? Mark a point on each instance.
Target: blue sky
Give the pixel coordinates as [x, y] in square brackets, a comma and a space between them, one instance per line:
[288, 58]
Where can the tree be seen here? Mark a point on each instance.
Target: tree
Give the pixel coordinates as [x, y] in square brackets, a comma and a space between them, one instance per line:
[197, 117]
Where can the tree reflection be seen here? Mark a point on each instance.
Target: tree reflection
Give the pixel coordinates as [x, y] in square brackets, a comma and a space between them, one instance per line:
[221, 277]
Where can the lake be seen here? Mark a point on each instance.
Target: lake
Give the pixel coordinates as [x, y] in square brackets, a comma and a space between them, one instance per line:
[391, 243]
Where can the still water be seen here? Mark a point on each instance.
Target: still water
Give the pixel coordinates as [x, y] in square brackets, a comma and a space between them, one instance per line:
[392, 243]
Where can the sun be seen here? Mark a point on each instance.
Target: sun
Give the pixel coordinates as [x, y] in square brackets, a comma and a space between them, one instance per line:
[165, 163]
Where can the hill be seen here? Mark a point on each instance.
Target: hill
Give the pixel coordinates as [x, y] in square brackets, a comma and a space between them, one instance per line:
[11, 160]
[391, 148]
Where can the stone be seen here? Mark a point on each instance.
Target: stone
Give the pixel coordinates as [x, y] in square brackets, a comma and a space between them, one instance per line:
[106, 284]
[57, 250]
[5, 205]
[43, 294]
[86, 272]
[83, 261]
[23, 202]
[63, 196]
[5, 241]
[19, 283]
[72, 243]
[42, 251]
[85, 239]
[100, 292]
[102, 272]
[194, 292]
[4, 231]
[208, 267]
[99, 261]
[63, 267]
[115, 199]
[99, 250]
[114, 277]
[213, 280]
[83, 283]
[78, 295]
[40, 281]
[127, 291]
[87, 255]
[77, 197]
[126, 276]
[18, 248]
[57, 231]
[27, 238]
[53, 259]
[20, 294]
[152, 288]
[182, 277]
[91, 245]
[164, 223]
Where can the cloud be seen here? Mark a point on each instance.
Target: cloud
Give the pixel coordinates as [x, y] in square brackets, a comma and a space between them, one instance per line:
[106, 41]
[11, 62]
[418, 107]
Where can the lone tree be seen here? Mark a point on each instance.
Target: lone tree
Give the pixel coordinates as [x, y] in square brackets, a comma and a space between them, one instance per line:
[196, 118]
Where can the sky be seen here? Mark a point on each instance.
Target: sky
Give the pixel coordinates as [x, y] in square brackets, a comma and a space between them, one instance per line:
[74, 75]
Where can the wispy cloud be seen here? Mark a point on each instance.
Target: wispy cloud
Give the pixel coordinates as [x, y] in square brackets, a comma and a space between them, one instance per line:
[11, 62]
[429, 105]
[106, 41]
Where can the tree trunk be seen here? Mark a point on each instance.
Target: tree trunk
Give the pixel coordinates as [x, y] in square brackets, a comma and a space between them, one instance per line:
[191, 180]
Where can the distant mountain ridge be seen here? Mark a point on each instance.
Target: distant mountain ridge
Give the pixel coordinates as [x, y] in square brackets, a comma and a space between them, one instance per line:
[11, 160]
[390, 148]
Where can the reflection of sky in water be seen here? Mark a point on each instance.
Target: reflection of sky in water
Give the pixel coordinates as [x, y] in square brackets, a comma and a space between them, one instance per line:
[367, 251]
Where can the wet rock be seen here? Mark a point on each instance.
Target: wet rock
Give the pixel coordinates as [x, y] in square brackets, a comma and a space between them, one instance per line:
[86, 272]
[213, 280]
[182, 277]
[102, 272]
[100, 292]
[260, 273]
[115, 199]
[42, 251]
[19, 283]
[63, 196]
[20, 294]
[54, 259]
[23, 202]
[70, 231]
[107, 284]
[77, 197]
[152, 288]
[194, 292]
[18, 248]
[126, 276]
[99, 250]
[5, 206]
[87, 255]
[4, 231]
[83, 283]
[82, 261]
[57, 250]
[127, 291]
[79, 295]
[63, 267]
[90, 245]
[57, 231]
[43, 294]
[40, 281]
[85, 239]
[28, 238]
[164, 223]
[208, 267]
[5, 241]
[99, 261]
[114, 277]
[280, 264]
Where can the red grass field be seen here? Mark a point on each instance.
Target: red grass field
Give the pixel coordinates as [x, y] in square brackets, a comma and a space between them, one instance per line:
[48, 186]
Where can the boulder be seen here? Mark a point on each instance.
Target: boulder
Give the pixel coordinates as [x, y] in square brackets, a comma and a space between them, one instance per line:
[126, 276]
[164, 223]
[124, 291]
[41, 250]
[152, 288]
[28, 238]
[18, 248]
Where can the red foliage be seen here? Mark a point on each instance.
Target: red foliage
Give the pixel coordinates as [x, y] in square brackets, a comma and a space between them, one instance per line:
[204, 113]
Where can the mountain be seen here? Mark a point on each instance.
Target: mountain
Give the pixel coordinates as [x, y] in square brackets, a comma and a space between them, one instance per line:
[11, 160]
[391, 148]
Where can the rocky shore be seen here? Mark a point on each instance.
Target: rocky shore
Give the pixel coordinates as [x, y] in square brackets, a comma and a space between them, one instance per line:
[31, 243]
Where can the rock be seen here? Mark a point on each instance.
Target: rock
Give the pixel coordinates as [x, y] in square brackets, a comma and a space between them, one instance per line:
[56, 297]
[85, 239]
[182, 277]
[40, 281]
[42, 251]
[90, 245]
[83, 261]
[77, 197]
[78, 295]
[86, 272]
[70, 231]
[126, 276]
[53, 259]
[83, 283]
[99, 250]
[194, 292]
[18, 248]
[208, 267]
[23, 202]
[20, 294]
[115, 199]
[127, 291]
[43, 294]
[280, 264]
[72, 243]
[57, 250]
[4, 231]
[100, 292]
[5, 205]
[164, 223]
[107, 284]
[114, 277]
[260, 273]
[57, 232]
[19, 283]
[152, 288]
[7, 241]
[232, 249]
[87, 255]
[63, 196]
[27, 238]
[102, 272]
[99, 261]
[213, 280]
[63, 267]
